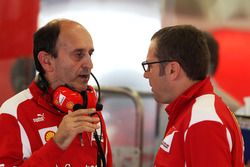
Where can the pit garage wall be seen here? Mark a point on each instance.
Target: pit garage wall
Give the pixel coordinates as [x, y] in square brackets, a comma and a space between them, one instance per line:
[18, 22]
[230, 24]
[233, 73]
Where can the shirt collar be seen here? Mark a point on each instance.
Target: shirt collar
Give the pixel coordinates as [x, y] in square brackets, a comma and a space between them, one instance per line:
[44, 99]
[197, 89]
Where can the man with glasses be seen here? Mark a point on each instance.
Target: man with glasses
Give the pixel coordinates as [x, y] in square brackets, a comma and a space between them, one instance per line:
[201, 130]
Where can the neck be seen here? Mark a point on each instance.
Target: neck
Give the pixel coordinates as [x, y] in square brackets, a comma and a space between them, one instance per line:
[183, 85]
[42, 82]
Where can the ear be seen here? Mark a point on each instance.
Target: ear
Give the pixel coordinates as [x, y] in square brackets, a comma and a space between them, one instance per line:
[46, 61]
[174, 70]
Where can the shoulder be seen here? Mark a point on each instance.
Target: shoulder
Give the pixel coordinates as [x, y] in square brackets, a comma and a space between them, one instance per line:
[10, 106]
[204, 109]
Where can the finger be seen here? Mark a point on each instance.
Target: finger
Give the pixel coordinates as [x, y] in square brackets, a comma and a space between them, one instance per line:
[91, 111]
[86, 124]
[88, 111]
[90, 119]
[86, 127]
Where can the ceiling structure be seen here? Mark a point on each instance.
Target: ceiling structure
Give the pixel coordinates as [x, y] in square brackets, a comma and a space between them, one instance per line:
[207, 14]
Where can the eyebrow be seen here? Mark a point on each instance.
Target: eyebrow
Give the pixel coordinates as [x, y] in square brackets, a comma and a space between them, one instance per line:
[82, 50]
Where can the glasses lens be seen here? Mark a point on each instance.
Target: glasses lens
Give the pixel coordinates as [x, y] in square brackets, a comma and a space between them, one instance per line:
[146, 67]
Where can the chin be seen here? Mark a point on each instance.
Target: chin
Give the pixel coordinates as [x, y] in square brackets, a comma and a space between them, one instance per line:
[158, 99]
[81, 88]
[78, 87]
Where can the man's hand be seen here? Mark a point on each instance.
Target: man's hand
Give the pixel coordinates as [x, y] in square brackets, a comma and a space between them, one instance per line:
[75, 123]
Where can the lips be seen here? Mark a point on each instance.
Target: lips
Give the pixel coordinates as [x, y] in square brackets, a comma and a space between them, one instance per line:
[84, 76]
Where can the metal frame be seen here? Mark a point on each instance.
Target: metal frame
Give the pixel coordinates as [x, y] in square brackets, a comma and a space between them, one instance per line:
[135, 96]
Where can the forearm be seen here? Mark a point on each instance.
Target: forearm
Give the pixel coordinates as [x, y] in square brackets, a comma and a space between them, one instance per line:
[48, 155]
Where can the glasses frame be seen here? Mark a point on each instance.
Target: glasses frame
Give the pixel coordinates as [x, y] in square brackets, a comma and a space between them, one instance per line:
[145, 63]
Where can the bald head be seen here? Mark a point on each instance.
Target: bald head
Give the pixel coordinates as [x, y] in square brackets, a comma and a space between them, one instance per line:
[64, 22]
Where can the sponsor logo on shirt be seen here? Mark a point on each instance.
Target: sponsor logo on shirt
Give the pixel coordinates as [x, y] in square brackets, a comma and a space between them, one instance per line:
[167, 141]
[47, 133]
[39, 118]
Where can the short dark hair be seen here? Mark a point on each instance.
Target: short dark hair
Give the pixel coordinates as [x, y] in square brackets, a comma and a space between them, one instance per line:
[186, 45]
[213, 47]
[45, 40]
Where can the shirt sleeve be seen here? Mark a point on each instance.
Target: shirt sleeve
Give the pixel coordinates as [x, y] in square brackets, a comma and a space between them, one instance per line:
[11, 153]
[207, 145]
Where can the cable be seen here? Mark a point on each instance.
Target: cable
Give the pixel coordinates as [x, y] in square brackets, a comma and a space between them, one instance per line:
[100, 152]
[98, 87]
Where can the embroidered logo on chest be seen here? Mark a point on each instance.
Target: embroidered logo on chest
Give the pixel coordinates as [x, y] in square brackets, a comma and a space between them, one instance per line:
[39, 118]
[167, 141]
[47, 133]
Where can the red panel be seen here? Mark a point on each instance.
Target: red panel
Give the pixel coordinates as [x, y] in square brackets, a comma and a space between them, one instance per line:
[234, 61]
[18, 22]
[6, 86]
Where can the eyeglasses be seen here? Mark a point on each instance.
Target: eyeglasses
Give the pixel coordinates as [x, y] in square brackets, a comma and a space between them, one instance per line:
[146, 65]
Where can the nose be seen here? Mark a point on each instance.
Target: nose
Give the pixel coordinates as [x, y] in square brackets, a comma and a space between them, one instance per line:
[145, 75]
[87, 62]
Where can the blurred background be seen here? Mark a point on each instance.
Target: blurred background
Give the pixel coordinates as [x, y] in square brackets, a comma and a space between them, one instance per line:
[121, 31]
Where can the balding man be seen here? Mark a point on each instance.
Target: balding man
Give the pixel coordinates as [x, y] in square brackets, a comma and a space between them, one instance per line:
[37, 126]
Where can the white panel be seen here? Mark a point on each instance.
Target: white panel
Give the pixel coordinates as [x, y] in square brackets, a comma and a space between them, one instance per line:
[25, 143]
[10, 106]
[204, 110]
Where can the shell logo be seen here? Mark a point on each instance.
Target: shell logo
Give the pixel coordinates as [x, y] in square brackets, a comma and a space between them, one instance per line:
[56, 101]
[48, 135]
[70, 105]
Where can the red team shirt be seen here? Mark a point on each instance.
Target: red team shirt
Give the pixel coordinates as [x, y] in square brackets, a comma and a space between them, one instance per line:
[27, 124]
[201, 132]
